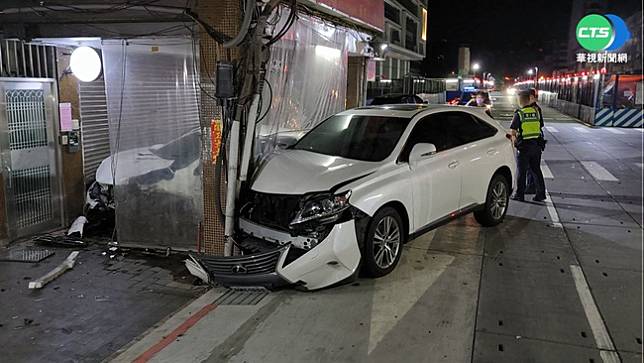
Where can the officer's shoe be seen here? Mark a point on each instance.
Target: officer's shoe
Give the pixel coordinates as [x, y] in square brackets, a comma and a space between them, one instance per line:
[518, 198]
[539, 198]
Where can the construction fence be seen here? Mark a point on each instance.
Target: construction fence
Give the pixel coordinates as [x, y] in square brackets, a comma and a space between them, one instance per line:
[599, 99]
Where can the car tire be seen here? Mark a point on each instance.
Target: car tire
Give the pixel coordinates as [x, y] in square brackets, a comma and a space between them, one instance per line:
[496, 202]
[385, 229]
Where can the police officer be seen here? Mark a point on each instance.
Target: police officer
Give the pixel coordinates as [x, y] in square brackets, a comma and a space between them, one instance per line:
[530, 187]
[528, 139]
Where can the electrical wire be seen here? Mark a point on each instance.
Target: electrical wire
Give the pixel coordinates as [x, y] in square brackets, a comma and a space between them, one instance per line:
[292, 17]
[114, 161]
[245, 25]
[196, 69]
[79, 10]
[270, 89]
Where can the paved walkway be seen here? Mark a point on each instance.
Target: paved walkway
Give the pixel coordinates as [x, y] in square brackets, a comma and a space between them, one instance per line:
[89, 312]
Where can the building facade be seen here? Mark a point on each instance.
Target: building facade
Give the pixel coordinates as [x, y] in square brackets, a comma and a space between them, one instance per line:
[154, 100]
[405, 37]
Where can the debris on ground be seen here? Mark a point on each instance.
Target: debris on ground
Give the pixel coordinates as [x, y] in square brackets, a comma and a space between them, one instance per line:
[101, 298]
[196, 269]
[53, 274]
[99, 210]
[114, 251]
[30, 255]
[77, 226]
[60, 241]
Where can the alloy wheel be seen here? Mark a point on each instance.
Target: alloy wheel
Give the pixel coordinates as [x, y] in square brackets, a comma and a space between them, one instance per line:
[498, 200]
[386, 242]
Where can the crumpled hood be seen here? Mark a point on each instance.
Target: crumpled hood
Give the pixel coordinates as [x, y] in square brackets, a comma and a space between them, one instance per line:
[130, 163]
[300, 171]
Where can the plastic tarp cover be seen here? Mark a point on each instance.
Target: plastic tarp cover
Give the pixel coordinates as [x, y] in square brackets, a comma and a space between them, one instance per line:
[307, 72]
[155, 140]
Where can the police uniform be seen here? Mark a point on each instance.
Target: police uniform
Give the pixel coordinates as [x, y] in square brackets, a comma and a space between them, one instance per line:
[530, 186]
[527, 122]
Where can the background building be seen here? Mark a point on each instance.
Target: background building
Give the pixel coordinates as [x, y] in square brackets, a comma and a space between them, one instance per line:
[405, 35]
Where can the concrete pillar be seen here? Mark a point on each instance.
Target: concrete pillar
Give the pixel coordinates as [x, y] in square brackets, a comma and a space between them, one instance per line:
[223, 15]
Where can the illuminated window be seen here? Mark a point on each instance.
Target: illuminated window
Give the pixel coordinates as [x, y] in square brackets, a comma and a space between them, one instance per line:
[423, 35]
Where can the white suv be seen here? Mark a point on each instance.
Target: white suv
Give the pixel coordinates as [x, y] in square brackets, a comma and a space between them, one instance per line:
[359, 185]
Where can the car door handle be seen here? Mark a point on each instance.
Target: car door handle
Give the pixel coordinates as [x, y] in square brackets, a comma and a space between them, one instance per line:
[453, 164]
[491, 151]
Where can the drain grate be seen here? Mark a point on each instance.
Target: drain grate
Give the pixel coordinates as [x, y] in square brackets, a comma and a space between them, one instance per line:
[27, 255]
[242, 296]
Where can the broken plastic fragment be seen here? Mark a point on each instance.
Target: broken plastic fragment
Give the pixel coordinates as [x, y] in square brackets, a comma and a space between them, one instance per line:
[77, 226]
[196, 269]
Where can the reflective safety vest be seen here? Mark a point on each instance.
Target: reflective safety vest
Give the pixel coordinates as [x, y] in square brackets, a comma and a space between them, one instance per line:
[530, 123]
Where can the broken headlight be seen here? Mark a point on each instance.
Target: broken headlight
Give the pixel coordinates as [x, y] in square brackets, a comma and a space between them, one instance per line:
[322, 209]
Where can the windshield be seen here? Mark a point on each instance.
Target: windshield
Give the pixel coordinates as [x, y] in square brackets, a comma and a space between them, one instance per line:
[366, 138]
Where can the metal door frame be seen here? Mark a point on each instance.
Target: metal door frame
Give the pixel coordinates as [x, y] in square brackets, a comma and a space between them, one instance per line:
[56, 179]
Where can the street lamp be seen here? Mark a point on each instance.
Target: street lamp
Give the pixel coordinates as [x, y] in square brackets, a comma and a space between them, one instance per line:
[535, 71]
[476, 67]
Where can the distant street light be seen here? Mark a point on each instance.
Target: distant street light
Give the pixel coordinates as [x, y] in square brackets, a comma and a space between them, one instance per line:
[476, 67]
[535, 71]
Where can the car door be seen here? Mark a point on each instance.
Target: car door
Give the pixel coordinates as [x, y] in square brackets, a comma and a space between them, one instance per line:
[436, 180]
[477, 153]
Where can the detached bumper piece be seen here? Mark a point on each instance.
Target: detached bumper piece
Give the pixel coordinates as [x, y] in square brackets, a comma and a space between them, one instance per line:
[256, 269]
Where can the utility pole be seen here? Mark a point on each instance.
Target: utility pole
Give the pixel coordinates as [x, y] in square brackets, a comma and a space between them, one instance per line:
[249, 51]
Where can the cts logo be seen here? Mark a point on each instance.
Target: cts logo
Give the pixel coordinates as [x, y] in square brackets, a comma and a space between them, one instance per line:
[598, 33]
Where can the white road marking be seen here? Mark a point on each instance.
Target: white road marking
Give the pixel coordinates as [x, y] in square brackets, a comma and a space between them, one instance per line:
[640, 165]
[597, 171]
[609, 356]
[602, 339]
[614, 131]
[545, 170]
[552, 129]
[552, 211]
[640, 129]
[583, 130]
[399, 291]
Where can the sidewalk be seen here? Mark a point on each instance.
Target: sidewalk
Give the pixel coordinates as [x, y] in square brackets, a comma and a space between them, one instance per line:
[91, 310]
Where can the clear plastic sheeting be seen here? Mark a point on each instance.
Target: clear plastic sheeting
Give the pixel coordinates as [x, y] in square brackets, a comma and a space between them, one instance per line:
[307, 74]
[155, 141]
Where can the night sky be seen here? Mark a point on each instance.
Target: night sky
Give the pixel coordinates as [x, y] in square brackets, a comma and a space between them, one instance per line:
[504, 36]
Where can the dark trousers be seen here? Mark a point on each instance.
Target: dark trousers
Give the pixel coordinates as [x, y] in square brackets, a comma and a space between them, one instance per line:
[529, 158]
[530, 187]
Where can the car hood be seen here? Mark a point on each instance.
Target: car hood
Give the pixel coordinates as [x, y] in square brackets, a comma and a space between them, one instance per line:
[130, 163]
[300, 172]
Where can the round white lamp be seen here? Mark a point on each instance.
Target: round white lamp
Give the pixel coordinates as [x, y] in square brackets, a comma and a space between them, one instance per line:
[85, 64]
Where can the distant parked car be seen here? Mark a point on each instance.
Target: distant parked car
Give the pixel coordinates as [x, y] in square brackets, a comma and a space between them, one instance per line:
[359, 185]
[396, 98]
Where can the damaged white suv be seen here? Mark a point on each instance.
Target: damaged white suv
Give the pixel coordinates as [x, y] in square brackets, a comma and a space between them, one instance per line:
[354, 189]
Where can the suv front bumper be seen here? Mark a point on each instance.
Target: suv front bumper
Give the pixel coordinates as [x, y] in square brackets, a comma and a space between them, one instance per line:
[332, 260]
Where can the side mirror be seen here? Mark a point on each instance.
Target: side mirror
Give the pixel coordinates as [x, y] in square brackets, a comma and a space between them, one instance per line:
[421, 152]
